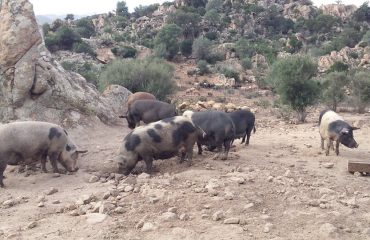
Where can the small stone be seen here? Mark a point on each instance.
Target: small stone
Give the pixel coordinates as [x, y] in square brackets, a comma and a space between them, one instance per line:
[147, 227]
[118, 177]
[55, 202]
[172, 209]
[119, 210]
[74, 213]
[41, 204]
[328, 165]
[229, 196]
[238, 180]
[357, 174]
[153, 199]
[136, 190]
[143, 176]
[41, 198]
[106, 207]
[265, 217]
[314, 203]
[328, 230]
[205, 216]
[168, 217]
[217, 216]
[270, 178]
[97, 206]
[9, 203]
[106, 195]
[249, 205]
[267, 228]
[231, 221]
[288, 173]
[128, 188]
[51, 191]
[93, 179]
[32, 225]
[94, 218]
[56, 175]
[184, 217]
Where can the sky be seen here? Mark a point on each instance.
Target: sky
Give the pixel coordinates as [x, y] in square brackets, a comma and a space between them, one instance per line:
[88, 7]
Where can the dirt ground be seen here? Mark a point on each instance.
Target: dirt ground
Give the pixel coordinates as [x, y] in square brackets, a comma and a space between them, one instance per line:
[279, 187]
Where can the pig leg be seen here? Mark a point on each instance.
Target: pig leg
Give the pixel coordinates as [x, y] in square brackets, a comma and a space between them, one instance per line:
[328, 144]
[245, 134]
[149, 164]
[43, 162]
[2, 169]
[322, 144]
[337, 147]
[227, 145]
[199, 148]
[189, 155]
[53, 160]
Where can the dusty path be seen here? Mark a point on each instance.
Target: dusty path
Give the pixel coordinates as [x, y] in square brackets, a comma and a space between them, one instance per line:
[276, 188]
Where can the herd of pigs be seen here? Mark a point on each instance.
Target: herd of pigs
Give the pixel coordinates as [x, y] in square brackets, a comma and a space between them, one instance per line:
[164, 136]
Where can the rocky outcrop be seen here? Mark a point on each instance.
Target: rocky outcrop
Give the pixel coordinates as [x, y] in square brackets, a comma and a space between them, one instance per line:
[338, 10]
[295, 10]
[35, 86]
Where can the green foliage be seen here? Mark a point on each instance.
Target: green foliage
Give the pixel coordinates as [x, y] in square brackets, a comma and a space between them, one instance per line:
[87, 70]
[214, 5]
[82, 47]
[292, 79]
[122, 9]
[85, 27]
[366, 37]
[202, 48]
[141, 11]
[211, 35]
[246, 48]
[295, 45]
[213, 19]
[246, 63]
[148, 75]
[69, 17]
[45, 28]
[63, 39]
[348, 37]
[231, 73]
[124, 52]
[360, 87]
[203, 67]
[186, 47]
[197, 3]
[121, 22]
[168, 39]
[334, 89]
[338, 67]
[275, 22]
[187, 21]
[253, 8]
[362, 14]
[320, 24]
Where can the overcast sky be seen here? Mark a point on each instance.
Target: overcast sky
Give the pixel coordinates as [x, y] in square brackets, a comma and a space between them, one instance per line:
[43, 7]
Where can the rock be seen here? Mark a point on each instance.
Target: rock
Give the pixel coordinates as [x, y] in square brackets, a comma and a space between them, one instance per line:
[328, 165]
[217, 216]
[153, 199]
[86, 199]
[357, 174]
[97, 206]
[136, 190]
[41, 198]
[56, 175]
[270, 178]
[41, 204]
[51, 191]
[93, 179]
[184, 217]
[168, 217]
[128, 189]
[267, 228]
[172, 209]
[119, 210]
[248, 206]
[32, 225]
[106, 195]
[9, 203]
[94, 218]
[143, 176]
[147, 227]
[238, 180]
[328, 230]
[74, 213]
[231, 221]
[106, 207]
[55, 202]
[366, 232]
[338, 10]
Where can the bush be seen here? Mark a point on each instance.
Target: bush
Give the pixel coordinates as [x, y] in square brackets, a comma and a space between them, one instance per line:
[85, 27]
[334, 89]
[187, 21]
[148, 75]
[246, 63]
[214, 5]
[360, 97]
[211, 35]
[141, 11]
[231, 73]
[186, 47]
[362, 14]
[124, 52]
[66, 37]
[292, 79]
[338, 67]
[203, 67]
[245, 48]
[82, 47]
[166, 41]
[121, 22]
[202, 48]
[122, 9]
[87, 70]
[45, 28]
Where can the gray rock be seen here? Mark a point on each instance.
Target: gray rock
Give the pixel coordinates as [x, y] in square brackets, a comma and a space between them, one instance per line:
[168, 217]
[55, 202]
[328, 165]
[128, 188]
[147, 227]
[184, 217]
[41, 204]
[153, 199]
[172, 209]
[217, 216]
[267, 228]
[93, 179]
[94, 218]
[248, 206]
[119, 210]
[32, 225]
[143, 176]
[231, 221]
[51, 191]
[328, 230]
[9, 203]
[106, 207]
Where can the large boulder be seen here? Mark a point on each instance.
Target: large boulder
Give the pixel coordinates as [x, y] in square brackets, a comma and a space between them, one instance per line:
[34, 85]
[338, 10]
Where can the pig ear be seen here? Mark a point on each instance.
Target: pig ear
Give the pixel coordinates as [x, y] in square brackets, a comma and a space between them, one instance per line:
[123, 116]
[81, 151]
[355, 128]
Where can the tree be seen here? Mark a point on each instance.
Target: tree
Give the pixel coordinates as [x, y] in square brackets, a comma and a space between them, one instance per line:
[213, 18]
[362, 14]
[186, 47]
[338, 66]
[202, 48]
[187, 21]
[85, 27]
[69, 17]
[292, 79]
[360, 91]
[167, 41]
[334, 89]
[214, 5]
[122, 9]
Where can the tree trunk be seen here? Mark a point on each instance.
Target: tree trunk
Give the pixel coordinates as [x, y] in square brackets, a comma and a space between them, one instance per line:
[301, 115]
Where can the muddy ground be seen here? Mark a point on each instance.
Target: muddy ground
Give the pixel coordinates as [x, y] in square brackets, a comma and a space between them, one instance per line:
[282, 186]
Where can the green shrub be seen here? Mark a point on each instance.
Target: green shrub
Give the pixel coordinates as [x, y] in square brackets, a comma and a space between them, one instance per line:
[187, 21]
[202, 48]
[85, 27]
[121, 22]
[166, 41]
[211, 35]
[334, 89]
[292, 79]
[246, 63]
[63, 39]
[360, 86]
[338, 67]
[141, 11]
[45, 28]
[231, 73]
[186, 47]
[148, 75]
[214, 5]
[245, 48]
[362, 14]
[82, 47]
[87, 70]
[122, 9]
[124, 52]
[203, 67]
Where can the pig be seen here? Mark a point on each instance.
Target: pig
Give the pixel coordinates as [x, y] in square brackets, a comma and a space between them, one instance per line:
[244, 124]
[148, 111]
[158, 140]
[334, 128]
[219, 129]
[29, 141]
[139, 96]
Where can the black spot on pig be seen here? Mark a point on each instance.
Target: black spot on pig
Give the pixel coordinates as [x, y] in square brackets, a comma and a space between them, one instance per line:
[169, 120]
[68, 148]
[182, 133]
[158, 126]
[154, 135]
[132, 141]
[53, 132]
